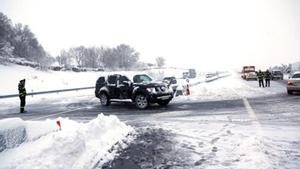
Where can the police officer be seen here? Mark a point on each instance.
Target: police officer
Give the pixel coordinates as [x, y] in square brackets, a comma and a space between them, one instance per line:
[260, 77]
[22, 95]
[268, 78]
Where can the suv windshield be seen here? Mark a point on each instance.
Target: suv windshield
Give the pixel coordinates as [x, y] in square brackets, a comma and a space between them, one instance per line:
[296, 75]
[277, 73]
[141, 79]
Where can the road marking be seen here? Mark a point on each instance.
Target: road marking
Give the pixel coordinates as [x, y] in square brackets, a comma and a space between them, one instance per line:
[253, 116]
[249, 109]
[68, 111]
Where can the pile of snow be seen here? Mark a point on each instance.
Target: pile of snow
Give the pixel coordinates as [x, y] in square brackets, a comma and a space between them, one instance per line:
[12, 133]
[77, 145]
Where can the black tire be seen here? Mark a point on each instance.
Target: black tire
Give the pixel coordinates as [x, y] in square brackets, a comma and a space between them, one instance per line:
[164, 103]
[104, 99]
[141, 101]
[290, 92]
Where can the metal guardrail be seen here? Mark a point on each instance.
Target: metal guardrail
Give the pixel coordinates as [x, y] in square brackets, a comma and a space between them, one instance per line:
[81, 88]
[46, 92]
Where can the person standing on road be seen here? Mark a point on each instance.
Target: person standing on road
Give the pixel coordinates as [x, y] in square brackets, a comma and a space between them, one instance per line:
[22, 95]
[260, 77]
[268, 78]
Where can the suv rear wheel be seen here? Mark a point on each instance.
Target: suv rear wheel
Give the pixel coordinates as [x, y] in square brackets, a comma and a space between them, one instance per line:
[141, 101]
[104, 100]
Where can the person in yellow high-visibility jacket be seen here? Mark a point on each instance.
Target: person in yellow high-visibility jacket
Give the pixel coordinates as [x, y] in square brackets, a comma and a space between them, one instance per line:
[22, 95]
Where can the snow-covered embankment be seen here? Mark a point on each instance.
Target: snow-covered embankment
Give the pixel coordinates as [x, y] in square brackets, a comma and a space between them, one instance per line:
[78, 145]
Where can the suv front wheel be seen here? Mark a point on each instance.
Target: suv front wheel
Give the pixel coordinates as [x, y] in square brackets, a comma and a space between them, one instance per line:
[104, 100]
[141, 101]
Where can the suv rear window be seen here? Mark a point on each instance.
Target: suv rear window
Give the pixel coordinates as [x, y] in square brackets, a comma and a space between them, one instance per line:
[101, 80]
[112, 79]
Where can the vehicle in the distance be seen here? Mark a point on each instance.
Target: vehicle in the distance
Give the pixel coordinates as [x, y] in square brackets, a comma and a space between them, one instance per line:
[141, 91]
[276, 75]
[248, 73]
[251, 76]
[192, 73]
[171, 82]
[210, 75]
[293, 84]
[185, 75]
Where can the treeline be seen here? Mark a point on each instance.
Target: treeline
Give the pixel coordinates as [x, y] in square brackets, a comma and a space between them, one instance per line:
[121, 57]
[18, 41]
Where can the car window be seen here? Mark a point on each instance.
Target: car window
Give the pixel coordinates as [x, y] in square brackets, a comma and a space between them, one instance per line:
[101, 80]
[112, 80]
[123, 79]
[296, 75]
[141, 78]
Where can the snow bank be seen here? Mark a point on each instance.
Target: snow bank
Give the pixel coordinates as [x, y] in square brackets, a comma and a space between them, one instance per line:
[12, 133]
[15, 131]
[77, 145]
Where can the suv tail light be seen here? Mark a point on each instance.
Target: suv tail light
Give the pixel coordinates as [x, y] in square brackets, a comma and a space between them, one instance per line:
[290, 83]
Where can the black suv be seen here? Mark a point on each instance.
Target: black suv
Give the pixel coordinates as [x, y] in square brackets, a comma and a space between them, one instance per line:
[142, 91]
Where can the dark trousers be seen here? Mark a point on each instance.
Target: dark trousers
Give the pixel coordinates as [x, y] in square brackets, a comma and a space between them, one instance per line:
[261, 83]
[22, 103]
[267, 82]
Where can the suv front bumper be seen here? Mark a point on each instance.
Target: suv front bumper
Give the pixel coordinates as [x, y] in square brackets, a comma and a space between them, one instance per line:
[154, 98]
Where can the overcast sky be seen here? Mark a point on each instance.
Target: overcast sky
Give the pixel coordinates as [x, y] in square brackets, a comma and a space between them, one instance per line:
[206, 34]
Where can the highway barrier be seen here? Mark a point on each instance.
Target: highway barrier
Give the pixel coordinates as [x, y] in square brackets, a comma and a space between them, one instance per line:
[46, 92]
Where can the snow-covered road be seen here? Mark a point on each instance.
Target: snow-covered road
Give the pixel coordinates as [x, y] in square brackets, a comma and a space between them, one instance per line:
[227, 123]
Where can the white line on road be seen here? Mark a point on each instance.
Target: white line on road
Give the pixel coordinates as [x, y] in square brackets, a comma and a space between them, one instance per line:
[68, 111]
[253, 116]
[249, 109]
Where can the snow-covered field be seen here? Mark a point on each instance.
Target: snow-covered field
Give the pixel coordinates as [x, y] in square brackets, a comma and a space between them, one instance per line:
[78, 145]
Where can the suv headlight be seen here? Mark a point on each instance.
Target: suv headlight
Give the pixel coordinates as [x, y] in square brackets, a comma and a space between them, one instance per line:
[151, 90]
